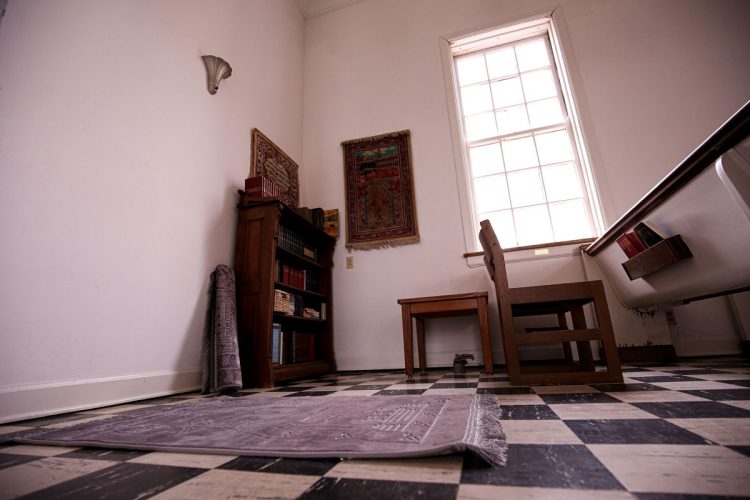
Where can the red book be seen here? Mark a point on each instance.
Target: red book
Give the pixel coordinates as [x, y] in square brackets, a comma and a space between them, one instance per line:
[630, 244]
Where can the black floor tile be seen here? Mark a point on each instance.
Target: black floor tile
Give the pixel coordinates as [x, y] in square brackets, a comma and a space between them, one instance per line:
[551, 466]
[666, 378]
[528, 412]
[693, 409]
[310, 467]
[635, 431]
[741, 382]
[104, 454]
[293, 389]
[346, 489]
[309, 393]
[368, 387]
[722, 394]
[585, 397]
[505, 390]
[400, 393]
[627, 387]
[11, 459]
[456, 385]
[125, 480]
[745, 450]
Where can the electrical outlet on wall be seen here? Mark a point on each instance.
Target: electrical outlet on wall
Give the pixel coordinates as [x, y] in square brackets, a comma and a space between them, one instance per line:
[349, 261]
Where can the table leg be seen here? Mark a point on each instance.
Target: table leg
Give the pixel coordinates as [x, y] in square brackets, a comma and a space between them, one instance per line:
[408, 343]
[420, 345]
[484, 331]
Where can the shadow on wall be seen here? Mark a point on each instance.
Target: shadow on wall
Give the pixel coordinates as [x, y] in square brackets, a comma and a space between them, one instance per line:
[218, 249]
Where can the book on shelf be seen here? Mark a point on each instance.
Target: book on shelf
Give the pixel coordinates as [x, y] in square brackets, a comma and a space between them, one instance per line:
[323, 310]
[276, 344]
[630, 244]
[649, 233]
[331, 222]
[303, 347]
[261, 187]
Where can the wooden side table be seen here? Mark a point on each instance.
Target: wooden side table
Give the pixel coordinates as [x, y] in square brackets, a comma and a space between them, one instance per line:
[462, 304]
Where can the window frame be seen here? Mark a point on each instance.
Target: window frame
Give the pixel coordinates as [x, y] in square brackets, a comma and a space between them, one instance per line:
[544, 24]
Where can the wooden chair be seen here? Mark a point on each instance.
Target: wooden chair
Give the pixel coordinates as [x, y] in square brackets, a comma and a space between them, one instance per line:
[557, 300]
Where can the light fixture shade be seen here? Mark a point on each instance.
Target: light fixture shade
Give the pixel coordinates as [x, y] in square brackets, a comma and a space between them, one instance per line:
[216, 70]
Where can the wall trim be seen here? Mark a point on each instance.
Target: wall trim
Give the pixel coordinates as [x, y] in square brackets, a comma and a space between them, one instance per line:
[40, 400]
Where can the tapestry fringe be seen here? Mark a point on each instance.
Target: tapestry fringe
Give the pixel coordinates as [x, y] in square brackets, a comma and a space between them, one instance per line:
[377, 245]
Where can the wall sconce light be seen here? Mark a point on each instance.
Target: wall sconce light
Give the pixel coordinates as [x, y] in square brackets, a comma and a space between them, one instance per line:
[216, 70]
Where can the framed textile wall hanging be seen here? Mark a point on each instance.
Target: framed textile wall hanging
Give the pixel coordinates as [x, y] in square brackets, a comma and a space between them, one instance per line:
[379, 191]
[269, 161]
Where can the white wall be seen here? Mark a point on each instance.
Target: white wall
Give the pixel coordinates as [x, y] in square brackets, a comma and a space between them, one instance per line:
[654, 79]
[118, 179]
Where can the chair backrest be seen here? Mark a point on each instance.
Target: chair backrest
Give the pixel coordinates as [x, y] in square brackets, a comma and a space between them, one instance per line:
[494, 259]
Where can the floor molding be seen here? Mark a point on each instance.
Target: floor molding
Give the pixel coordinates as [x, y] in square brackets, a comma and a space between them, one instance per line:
[32, 401]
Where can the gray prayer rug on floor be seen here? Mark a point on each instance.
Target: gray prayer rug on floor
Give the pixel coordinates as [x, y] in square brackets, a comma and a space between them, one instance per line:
[303, 427]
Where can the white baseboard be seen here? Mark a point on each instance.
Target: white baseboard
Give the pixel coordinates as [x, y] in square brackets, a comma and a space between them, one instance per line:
[710, 346]
[32, 401]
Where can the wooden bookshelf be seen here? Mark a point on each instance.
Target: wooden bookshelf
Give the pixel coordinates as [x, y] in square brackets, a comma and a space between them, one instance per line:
[657, 257]
[263, 226]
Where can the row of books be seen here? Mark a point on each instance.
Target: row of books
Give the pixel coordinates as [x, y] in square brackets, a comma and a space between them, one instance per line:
[304, 279]
[294, 304]
[313, 215]
[644, 235]
[296, 244]
[290, 346]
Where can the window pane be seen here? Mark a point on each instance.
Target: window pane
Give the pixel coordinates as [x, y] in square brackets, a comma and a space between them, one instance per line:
[501, 62]
[533, 225]
[532, 55]
[480, 126]
[570, 220]
[502, 224]
[507, 92]
[546, 112]
[519, 153]
[491, 193]
[538, 85]
[471, 69]
[554, 147]
[526, 187]
[475, 99]
[561, 182]
[486, 160]
[513, 119]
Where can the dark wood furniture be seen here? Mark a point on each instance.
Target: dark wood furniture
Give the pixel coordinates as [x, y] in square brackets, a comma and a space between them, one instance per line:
[420, 308]
[663, 254]
[264, 227]
[558, 300]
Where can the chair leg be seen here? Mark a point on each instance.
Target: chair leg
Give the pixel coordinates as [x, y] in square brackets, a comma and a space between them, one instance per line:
[484, 330]
[585, 355]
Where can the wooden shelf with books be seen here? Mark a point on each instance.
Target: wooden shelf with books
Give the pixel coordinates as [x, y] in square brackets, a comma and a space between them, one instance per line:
[284, 295]
[656, 257]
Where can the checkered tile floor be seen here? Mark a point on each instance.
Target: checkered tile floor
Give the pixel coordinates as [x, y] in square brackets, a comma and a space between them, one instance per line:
[675, 431]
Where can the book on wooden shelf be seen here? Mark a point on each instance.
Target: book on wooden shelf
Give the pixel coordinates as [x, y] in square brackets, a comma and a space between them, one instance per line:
[630, 244]
[649, 233]
[331, 222]
[276, 344]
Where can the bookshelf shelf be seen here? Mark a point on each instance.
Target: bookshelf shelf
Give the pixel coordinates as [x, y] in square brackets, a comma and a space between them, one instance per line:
[657, 257]
[270, 238]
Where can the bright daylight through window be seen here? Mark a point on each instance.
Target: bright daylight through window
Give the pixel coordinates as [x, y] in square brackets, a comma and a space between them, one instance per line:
[525, 170]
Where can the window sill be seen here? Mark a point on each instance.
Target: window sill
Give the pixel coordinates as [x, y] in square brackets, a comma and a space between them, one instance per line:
[532, 252]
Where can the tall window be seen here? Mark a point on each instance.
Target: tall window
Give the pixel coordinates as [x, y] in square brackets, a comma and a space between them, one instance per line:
[524, 165]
